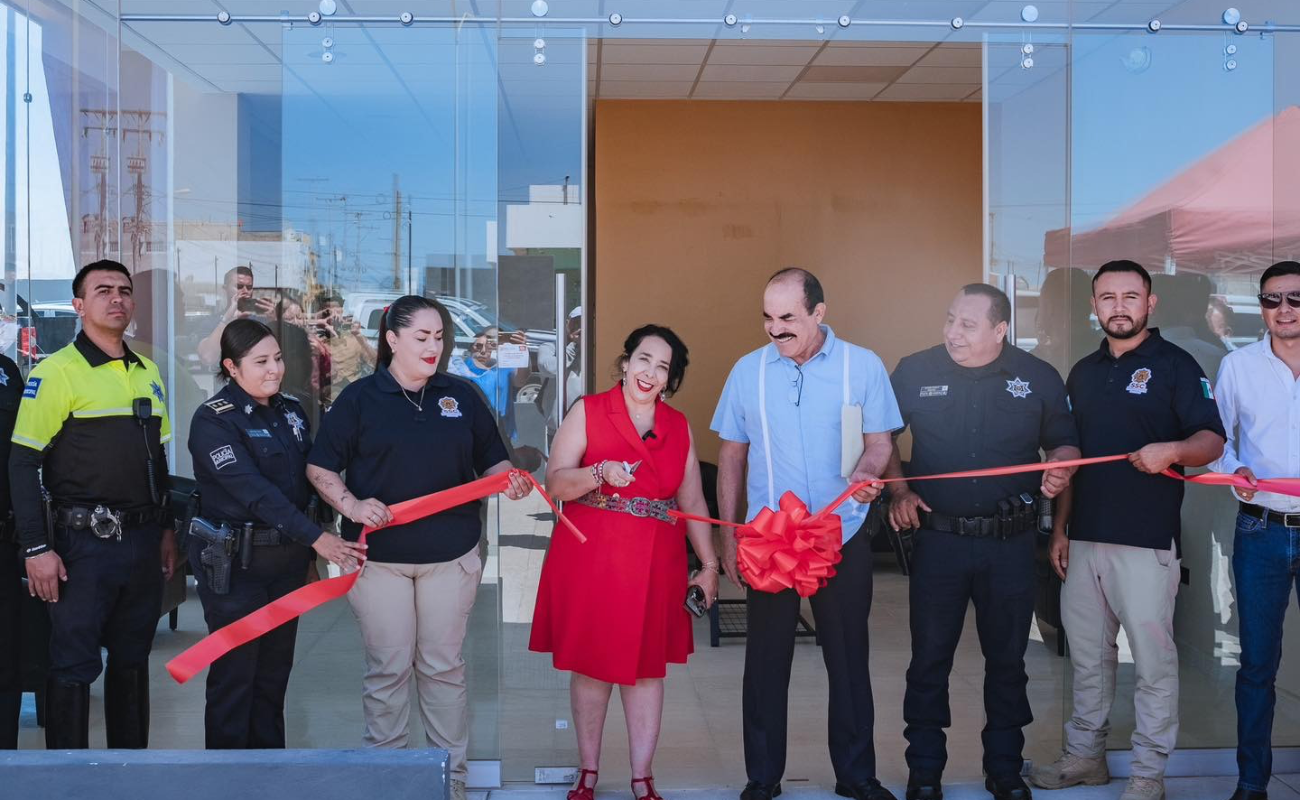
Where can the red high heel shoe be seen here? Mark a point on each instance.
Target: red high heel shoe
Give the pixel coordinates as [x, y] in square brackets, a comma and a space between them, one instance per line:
[650, 793]
[582, 791]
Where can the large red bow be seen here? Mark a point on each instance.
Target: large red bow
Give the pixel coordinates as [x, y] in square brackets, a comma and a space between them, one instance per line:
[790, 548]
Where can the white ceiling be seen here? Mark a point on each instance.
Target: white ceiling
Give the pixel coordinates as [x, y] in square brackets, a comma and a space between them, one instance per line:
[262, 57]
[794, 70]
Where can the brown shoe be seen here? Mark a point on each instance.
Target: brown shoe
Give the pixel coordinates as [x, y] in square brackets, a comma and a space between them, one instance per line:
[1071, 770]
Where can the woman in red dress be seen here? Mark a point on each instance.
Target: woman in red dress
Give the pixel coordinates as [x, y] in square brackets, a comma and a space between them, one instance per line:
[611, 610]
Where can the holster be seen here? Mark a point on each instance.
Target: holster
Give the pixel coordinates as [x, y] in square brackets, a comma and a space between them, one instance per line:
[218, 554]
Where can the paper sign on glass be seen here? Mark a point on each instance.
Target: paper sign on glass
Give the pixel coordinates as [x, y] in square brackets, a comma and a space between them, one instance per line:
[512, 356]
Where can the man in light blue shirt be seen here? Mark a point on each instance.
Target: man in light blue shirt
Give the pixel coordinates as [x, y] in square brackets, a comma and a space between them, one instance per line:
[780, 417]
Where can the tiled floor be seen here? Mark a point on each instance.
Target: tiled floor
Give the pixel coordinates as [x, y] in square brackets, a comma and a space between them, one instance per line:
[520, 705]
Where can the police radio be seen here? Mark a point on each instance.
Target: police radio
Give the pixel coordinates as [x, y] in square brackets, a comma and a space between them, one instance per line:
[142, 409]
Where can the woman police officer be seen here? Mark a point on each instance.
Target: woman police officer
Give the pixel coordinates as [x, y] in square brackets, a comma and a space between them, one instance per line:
[406, 431]
[252, 538]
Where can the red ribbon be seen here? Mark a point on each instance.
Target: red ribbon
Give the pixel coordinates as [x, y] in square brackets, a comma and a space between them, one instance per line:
[298, 602]
[790, 549]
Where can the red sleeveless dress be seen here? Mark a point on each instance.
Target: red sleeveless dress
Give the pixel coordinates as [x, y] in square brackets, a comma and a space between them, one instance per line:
[611, 609]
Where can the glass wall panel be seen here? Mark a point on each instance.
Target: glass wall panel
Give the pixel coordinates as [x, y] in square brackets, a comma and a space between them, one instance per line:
[1171, 163]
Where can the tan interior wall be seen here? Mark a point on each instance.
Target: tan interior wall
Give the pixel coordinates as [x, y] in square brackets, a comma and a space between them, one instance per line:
[697, 203]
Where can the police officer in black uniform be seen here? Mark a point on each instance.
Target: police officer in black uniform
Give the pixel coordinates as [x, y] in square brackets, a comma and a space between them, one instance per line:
[92, 424]
[253, 531]
[974, 402]
[11, 582]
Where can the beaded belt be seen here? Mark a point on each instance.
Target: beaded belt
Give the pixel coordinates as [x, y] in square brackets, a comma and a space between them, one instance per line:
[636, 506]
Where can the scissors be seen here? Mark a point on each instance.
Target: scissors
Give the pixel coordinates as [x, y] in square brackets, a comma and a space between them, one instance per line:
[631, 468]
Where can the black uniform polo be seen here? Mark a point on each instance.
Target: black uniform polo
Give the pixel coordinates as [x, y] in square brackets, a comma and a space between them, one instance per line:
[1153, 393]
[966, 418]
[393, 451]
[250, 462]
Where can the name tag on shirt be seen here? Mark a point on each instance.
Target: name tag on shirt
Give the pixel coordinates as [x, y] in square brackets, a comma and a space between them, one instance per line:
[934, 391]
[260, 433]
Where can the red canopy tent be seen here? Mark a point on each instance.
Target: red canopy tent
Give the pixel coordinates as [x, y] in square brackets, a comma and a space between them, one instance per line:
[1236, 210]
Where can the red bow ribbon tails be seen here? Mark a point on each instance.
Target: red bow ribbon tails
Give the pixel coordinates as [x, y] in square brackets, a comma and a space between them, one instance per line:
[790, 548]
[304, 599]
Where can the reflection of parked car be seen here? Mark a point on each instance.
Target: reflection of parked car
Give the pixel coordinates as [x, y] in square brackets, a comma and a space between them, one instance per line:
[1247, 324]
[467, 318]
[55, 325]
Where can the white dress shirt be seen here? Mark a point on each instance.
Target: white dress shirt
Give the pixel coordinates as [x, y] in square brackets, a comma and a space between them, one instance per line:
[1259, 401]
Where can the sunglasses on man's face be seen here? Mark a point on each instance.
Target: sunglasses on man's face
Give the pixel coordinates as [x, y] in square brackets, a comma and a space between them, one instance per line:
[1271, 300]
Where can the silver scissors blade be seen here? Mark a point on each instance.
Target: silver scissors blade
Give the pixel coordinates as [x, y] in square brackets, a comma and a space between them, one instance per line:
[631, 468]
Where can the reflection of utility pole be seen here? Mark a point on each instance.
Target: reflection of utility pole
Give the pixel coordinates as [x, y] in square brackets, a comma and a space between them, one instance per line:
[138, 122]
[397, 236]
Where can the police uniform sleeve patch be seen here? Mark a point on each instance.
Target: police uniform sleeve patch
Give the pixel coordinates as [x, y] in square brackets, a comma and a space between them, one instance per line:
[220, 405]
[33, 386]
[222, 457]
[1206, 389]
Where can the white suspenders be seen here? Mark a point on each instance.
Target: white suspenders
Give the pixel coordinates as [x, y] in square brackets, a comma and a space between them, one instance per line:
[762, 416]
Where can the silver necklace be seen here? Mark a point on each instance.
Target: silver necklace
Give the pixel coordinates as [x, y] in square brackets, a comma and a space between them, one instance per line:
[420, 405]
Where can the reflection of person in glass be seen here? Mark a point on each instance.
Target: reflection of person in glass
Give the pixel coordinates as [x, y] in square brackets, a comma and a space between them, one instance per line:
[249, 444]
[498, 383]
[610, 609]
[1220, 317]
[1258, 403]
[401, 433]
[240, 303]
[1121, 553]
[569, 370]
[350, 354]
[975, 540]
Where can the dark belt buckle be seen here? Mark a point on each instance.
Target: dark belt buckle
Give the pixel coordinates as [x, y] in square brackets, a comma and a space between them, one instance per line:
[1291, 520]
[968, 526]
[105, 524]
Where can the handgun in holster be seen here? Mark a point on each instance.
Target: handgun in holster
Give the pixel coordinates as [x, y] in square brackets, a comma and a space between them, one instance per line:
[218, 554]
[319, 511]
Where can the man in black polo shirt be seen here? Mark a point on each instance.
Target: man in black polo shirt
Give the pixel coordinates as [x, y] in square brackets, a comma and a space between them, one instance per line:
[1141, 395]
[974, 402]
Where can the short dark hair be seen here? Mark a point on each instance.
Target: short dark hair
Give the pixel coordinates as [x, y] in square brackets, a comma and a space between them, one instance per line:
[247, 272]
[1123, 265]
[813, 294]
[240, 336]
[103, 265]
[999, 303]
[1278, 270]
[677, 362]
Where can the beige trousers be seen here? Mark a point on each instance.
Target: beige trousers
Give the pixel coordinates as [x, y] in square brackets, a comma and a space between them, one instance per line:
[1106, 586]
[413, 619]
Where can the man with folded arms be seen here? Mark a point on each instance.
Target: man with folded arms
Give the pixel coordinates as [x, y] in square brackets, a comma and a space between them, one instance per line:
[1259, 401]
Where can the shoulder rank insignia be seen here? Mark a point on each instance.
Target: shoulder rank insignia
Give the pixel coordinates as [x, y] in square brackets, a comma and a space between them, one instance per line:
[290, 397]
[220, 405]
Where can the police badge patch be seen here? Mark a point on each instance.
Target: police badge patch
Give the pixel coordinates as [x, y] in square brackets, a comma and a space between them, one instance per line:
[222, 456]
[449, 406]
[1138, 382]
[1018, 388]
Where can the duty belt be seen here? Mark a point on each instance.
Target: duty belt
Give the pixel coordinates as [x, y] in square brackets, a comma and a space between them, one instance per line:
[1291, 520]
[636, 506]
[105, 522]
[262, 537]
[994, 527]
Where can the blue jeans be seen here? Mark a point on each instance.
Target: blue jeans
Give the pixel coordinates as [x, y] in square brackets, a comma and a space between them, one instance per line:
[1265, 565]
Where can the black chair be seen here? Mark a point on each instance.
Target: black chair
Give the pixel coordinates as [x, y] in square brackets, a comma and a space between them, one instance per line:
[727, 618]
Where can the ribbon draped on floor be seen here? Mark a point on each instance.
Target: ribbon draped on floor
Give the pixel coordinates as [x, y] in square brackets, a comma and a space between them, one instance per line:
[300, 601]
[792, 548]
